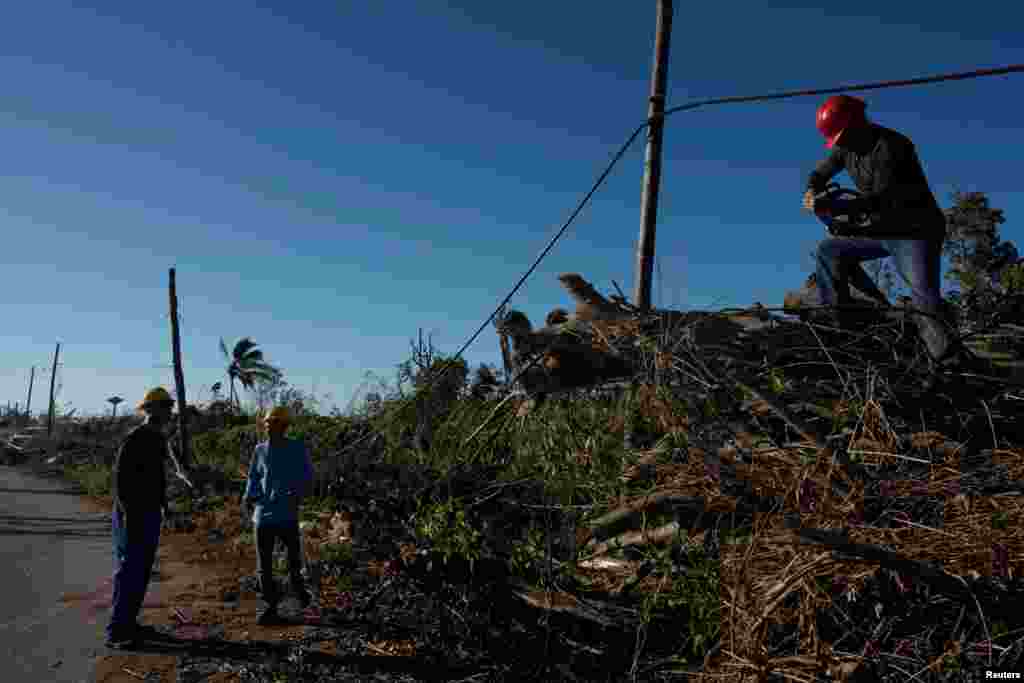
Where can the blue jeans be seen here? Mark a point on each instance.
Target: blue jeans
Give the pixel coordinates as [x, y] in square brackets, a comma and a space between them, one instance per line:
[134, 552]
[918, 263]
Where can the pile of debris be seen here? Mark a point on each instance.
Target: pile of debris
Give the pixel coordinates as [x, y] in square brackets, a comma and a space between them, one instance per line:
[607, 339]
[28, 443]
[815, 435]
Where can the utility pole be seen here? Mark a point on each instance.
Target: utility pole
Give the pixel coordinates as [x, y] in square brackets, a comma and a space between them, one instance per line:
[53, 381]
[184, 444]
[652, 159]
[28, 404]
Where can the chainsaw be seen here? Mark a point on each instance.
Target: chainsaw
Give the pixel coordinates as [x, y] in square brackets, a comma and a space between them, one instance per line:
[846, 223]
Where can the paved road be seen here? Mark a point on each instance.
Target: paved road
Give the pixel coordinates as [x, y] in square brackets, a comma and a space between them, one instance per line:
[51, 546]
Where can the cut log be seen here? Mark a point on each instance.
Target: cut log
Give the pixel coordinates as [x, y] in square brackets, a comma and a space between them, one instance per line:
[590, 304]
[659, 536]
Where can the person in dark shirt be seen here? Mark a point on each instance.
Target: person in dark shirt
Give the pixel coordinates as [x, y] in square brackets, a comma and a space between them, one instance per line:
[905, 221]
[140, 500]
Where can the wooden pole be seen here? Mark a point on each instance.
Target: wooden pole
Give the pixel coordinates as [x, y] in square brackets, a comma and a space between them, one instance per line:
[28, 404]
[652, 160]
[184, 443]
[53, 381]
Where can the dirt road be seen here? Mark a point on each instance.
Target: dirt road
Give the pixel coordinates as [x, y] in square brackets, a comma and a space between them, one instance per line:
[53, 546]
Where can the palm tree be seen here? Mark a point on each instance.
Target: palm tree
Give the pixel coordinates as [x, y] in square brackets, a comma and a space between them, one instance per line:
[246, 364]
[114, 401]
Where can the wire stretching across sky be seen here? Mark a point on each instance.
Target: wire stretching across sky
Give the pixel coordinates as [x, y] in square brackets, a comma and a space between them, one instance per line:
[1001, 71]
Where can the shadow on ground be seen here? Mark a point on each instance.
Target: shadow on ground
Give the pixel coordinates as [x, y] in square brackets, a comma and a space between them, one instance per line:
[80, 527]
[263, 652]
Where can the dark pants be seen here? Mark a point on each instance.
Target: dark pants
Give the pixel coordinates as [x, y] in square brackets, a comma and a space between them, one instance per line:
[266, 537]
[134, 552]
[918, 263]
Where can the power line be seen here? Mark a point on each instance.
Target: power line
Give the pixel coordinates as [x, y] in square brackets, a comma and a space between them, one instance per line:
[1016, 68]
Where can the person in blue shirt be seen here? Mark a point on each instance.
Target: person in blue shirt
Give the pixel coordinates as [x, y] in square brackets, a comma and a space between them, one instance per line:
[280, 474]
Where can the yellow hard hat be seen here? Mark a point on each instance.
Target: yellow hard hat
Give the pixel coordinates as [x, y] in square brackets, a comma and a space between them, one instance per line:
[157, 395]
[278, 414]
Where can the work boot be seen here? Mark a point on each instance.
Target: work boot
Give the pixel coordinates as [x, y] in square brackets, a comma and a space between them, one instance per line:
[961, 360]
[268, 616]
[122, 640]
[957, 361]
[847, 318]
[147, 632]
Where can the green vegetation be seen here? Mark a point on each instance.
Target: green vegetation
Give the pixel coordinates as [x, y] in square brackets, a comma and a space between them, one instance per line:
[573, 448]
[95, 480]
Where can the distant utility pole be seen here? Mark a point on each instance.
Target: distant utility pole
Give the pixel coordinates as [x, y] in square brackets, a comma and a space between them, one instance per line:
[652, 159]
[53, 381]
[184, 444]
[28, 404]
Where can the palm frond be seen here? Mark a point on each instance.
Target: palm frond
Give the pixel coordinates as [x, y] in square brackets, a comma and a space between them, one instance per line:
[251, 376]
[243, 347]
[252, 357]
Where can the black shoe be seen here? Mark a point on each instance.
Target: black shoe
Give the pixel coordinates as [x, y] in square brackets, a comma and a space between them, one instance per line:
[147, 632]
[959, 360]
[268, 617]
[849, 318]
[121, 641]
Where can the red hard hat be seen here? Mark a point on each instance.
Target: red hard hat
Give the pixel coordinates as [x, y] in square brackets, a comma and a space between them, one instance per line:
[836, 114]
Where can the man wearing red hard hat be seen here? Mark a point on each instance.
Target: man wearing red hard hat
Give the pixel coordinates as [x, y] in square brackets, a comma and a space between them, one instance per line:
[904, 221]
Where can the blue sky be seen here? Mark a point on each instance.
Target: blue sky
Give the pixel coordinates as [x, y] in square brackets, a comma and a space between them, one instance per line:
[328, 178]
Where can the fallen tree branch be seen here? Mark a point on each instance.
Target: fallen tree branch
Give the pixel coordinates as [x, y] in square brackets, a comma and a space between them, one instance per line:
[946, 583]
[659, 536]
[686, 508]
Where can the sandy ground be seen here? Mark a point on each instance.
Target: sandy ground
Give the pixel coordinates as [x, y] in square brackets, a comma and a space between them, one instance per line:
[56, 578]
[197, 575]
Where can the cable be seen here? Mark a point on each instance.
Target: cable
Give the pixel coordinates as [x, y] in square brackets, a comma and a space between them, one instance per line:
[728, 100]
[586, 199]
[1016, 68]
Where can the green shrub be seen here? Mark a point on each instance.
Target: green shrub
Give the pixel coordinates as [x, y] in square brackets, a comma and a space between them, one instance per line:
[337, 557]
[222, 448]
[697, 592]
[323, 434]
[445, 526]
[95, 479]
